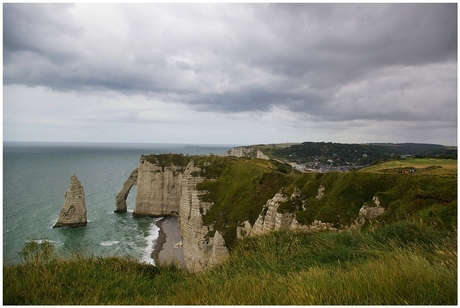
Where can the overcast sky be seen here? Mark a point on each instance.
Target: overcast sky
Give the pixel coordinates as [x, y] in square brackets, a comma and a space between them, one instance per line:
[230, 73]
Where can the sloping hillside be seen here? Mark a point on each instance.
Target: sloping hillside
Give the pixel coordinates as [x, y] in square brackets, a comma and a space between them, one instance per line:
[350, 155]
[240, 187]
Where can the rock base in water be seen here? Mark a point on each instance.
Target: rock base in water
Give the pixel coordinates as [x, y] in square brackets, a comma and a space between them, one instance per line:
[73, 212]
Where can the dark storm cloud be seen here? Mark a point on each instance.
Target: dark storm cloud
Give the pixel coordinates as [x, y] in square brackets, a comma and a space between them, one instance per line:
[35, 28]
[310, 58]
[352, 38]
[253, 99]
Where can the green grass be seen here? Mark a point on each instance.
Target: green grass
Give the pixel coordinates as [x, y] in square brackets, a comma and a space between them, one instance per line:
[164, 160]
[399, 264]
[240, 192]
[240, 187]
[431, 166]
[432, 198]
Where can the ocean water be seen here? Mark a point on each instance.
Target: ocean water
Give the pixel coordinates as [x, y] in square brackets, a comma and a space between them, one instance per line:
[36, 176]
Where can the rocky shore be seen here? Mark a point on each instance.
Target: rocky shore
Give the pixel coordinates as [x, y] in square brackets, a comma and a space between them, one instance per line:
[168, 247]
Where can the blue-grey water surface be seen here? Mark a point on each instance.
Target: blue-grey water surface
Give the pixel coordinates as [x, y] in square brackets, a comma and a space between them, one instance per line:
[36, 176]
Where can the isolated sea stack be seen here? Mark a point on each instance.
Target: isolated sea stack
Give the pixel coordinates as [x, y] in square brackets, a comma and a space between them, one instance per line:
[73, 212]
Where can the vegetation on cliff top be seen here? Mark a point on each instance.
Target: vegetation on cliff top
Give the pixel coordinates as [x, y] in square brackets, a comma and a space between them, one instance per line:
[359, 154]
[240, 192]
[165, 160]
[403, 263]
[428, 166]
[242, 187]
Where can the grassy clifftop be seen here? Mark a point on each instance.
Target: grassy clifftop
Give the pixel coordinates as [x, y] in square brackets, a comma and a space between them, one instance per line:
[241, 187]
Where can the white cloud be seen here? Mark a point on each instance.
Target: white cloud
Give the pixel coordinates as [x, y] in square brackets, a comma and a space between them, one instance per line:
[255, 73]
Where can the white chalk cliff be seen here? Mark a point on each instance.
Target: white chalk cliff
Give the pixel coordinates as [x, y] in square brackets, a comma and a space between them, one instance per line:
[158, 189]
[271, 220]
[202, 246]
[171, 190]
[120, 200]
[247, 152]
[73, 212]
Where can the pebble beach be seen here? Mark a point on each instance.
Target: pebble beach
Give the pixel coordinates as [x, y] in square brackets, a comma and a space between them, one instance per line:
[167, 249]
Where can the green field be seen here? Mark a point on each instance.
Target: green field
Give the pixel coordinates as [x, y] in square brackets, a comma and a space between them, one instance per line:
[397, 264]
[431, 166]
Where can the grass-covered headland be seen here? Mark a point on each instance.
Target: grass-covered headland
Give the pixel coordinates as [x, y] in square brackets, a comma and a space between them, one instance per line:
[398, 264]
[408, 255]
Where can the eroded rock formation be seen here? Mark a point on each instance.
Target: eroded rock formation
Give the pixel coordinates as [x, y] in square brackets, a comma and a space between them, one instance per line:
[370, 211]
[120, 200]
[271, 220]
[73, 212]
[202, 245]
[158, 189]
[240, 151]
[321, 190]
[171, 191]
[247, 152]
[164, 189]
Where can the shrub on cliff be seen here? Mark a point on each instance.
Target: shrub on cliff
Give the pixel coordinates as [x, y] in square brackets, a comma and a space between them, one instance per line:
[164, 160]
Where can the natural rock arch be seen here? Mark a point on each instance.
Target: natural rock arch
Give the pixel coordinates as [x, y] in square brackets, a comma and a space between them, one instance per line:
[120, 200]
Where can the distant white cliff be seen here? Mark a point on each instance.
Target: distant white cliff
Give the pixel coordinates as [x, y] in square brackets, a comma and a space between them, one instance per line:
[247, 152]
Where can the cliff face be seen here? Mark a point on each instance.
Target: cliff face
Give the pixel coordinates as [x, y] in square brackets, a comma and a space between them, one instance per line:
[73, 212]
[158, 189]
[247, 152]
[171, 190]
[271, 220]
[167, 185]
[203, 246]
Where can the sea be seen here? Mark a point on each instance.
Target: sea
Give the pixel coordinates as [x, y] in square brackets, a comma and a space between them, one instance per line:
[36, 176]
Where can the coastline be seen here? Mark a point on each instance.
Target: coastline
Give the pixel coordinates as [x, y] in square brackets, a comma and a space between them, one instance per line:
[159, 241]
[165, 251]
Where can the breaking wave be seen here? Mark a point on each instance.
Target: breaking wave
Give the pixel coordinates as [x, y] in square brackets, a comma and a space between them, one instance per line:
[151, 239]
[109, 243]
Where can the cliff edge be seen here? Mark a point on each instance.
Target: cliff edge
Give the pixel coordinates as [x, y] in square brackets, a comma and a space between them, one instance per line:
[166, 186]
[220, 200]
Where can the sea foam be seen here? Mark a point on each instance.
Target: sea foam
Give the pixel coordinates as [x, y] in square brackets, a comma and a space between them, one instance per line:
[109, 243]
[151, 239]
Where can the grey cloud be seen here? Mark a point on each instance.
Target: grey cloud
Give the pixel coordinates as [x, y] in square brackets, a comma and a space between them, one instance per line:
[344, 42]
[233, 58]
[255, 99]
[36, 28]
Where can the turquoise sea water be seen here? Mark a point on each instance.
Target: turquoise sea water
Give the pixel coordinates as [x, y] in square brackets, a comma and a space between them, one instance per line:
[36, 176]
